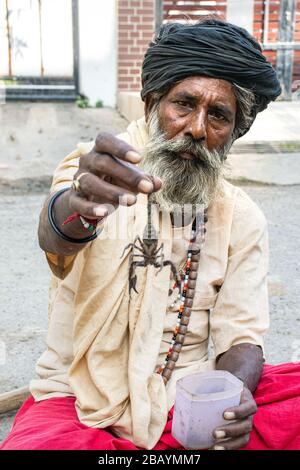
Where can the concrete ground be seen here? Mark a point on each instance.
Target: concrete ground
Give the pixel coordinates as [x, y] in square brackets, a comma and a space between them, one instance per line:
[36, 136]
[24, 275]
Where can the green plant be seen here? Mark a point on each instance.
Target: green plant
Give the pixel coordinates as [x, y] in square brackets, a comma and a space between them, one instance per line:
[99, 104]
[82, 101]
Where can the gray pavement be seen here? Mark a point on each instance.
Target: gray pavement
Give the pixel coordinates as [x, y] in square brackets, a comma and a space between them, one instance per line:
[36, 136]
[279, 122]
[267, 168]
[24, 278]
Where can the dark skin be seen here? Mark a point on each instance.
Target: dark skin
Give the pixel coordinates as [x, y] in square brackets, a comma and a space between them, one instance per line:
[200, 107]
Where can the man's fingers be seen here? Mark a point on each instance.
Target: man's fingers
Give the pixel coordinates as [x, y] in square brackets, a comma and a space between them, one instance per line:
[232, 444]
[241, 411]
[246, 408]
[235, 429]
[89, 209]
[104, 192]
[133, 177]
[107, 143]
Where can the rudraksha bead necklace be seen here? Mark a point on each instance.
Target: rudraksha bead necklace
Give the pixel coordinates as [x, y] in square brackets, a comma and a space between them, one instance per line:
[187, 295]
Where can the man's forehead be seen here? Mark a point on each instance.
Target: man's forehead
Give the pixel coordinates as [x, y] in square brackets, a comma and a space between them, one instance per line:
[200, 86]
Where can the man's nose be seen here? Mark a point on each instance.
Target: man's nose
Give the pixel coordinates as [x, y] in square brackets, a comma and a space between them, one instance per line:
[197, 127]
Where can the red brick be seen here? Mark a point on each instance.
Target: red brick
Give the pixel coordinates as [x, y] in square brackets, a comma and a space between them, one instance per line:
[132, 57]
[124, 50]
[123, 63]
[142, 42]
[145, 11]
[126, 79]
[126, 27]
[125, 11]
[146, 34]
[135, 50]
[148, 27]
[147, 19]
[123, 86]
[135, 71]
[124, 71]
[125, 42]
[124, 19]
[123, 34]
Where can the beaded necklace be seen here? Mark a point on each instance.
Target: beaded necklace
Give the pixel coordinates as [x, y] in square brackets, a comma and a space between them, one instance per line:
[186, 297]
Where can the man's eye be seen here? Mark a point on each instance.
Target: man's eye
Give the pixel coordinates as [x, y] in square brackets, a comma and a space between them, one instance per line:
[218, 116]
[182, 103]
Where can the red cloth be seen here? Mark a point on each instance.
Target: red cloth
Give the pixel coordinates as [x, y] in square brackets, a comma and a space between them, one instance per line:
[53, 424]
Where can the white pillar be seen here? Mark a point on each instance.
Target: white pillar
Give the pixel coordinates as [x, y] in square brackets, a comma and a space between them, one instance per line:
[98, 50]
[241, 13]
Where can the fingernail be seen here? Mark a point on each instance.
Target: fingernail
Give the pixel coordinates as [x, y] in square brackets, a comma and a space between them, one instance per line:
[158, 180]
[127, 199]
[133, 156]
[145, 186]
[219, 434]
[229, 415]
[219, 448]
[100, 211]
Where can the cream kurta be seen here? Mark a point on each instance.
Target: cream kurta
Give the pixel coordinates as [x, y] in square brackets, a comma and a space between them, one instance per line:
[103, 347]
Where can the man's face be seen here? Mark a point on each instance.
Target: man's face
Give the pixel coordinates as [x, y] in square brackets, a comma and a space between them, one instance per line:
[200, 107]
[190, 131]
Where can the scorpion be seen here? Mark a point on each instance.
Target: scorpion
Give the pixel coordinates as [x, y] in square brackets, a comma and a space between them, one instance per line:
[150, 254]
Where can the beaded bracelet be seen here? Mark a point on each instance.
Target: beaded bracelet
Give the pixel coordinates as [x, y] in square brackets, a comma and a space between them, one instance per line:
[58, 231]
[88, 224]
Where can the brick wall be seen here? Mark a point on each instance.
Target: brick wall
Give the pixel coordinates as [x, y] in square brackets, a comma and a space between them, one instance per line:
[177, 10]
[136, 29]
[136, 20]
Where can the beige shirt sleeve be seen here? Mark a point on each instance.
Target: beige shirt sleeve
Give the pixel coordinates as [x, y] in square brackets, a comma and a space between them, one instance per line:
[241, 312]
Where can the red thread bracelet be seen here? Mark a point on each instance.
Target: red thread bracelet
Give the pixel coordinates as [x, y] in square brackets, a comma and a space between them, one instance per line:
[76, 215]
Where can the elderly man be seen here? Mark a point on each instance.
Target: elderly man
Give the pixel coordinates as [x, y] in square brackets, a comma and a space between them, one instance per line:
[152, 253]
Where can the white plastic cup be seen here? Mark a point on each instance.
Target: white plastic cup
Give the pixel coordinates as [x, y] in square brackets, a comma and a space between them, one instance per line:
[200, 402]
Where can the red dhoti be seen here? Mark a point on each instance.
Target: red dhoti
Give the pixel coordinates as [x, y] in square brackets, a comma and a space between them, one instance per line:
[53, 424]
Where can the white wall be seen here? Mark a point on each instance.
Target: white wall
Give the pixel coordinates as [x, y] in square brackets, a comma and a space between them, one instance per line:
[241, 12]
[98, 50]
[56, 45]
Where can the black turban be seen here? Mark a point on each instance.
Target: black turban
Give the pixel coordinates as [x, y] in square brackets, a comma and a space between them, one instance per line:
[213, 48]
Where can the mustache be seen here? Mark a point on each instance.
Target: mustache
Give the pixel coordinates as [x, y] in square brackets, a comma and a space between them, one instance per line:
[203, 158]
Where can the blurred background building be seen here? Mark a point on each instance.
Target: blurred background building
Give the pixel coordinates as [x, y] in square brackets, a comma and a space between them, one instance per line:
[59, 49]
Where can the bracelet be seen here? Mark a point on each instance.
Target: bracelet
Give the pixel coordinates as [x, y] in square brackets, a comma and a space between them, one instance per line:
[57, 230]
[89, 224]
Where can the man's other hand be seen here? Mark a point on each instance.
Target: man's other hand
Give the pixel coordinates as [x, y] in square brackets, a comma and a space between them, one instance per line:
[237, 433]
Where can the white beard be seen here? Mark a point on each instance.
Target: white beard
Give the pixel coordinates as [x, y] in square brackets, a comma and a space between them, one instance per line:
[185, 182]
